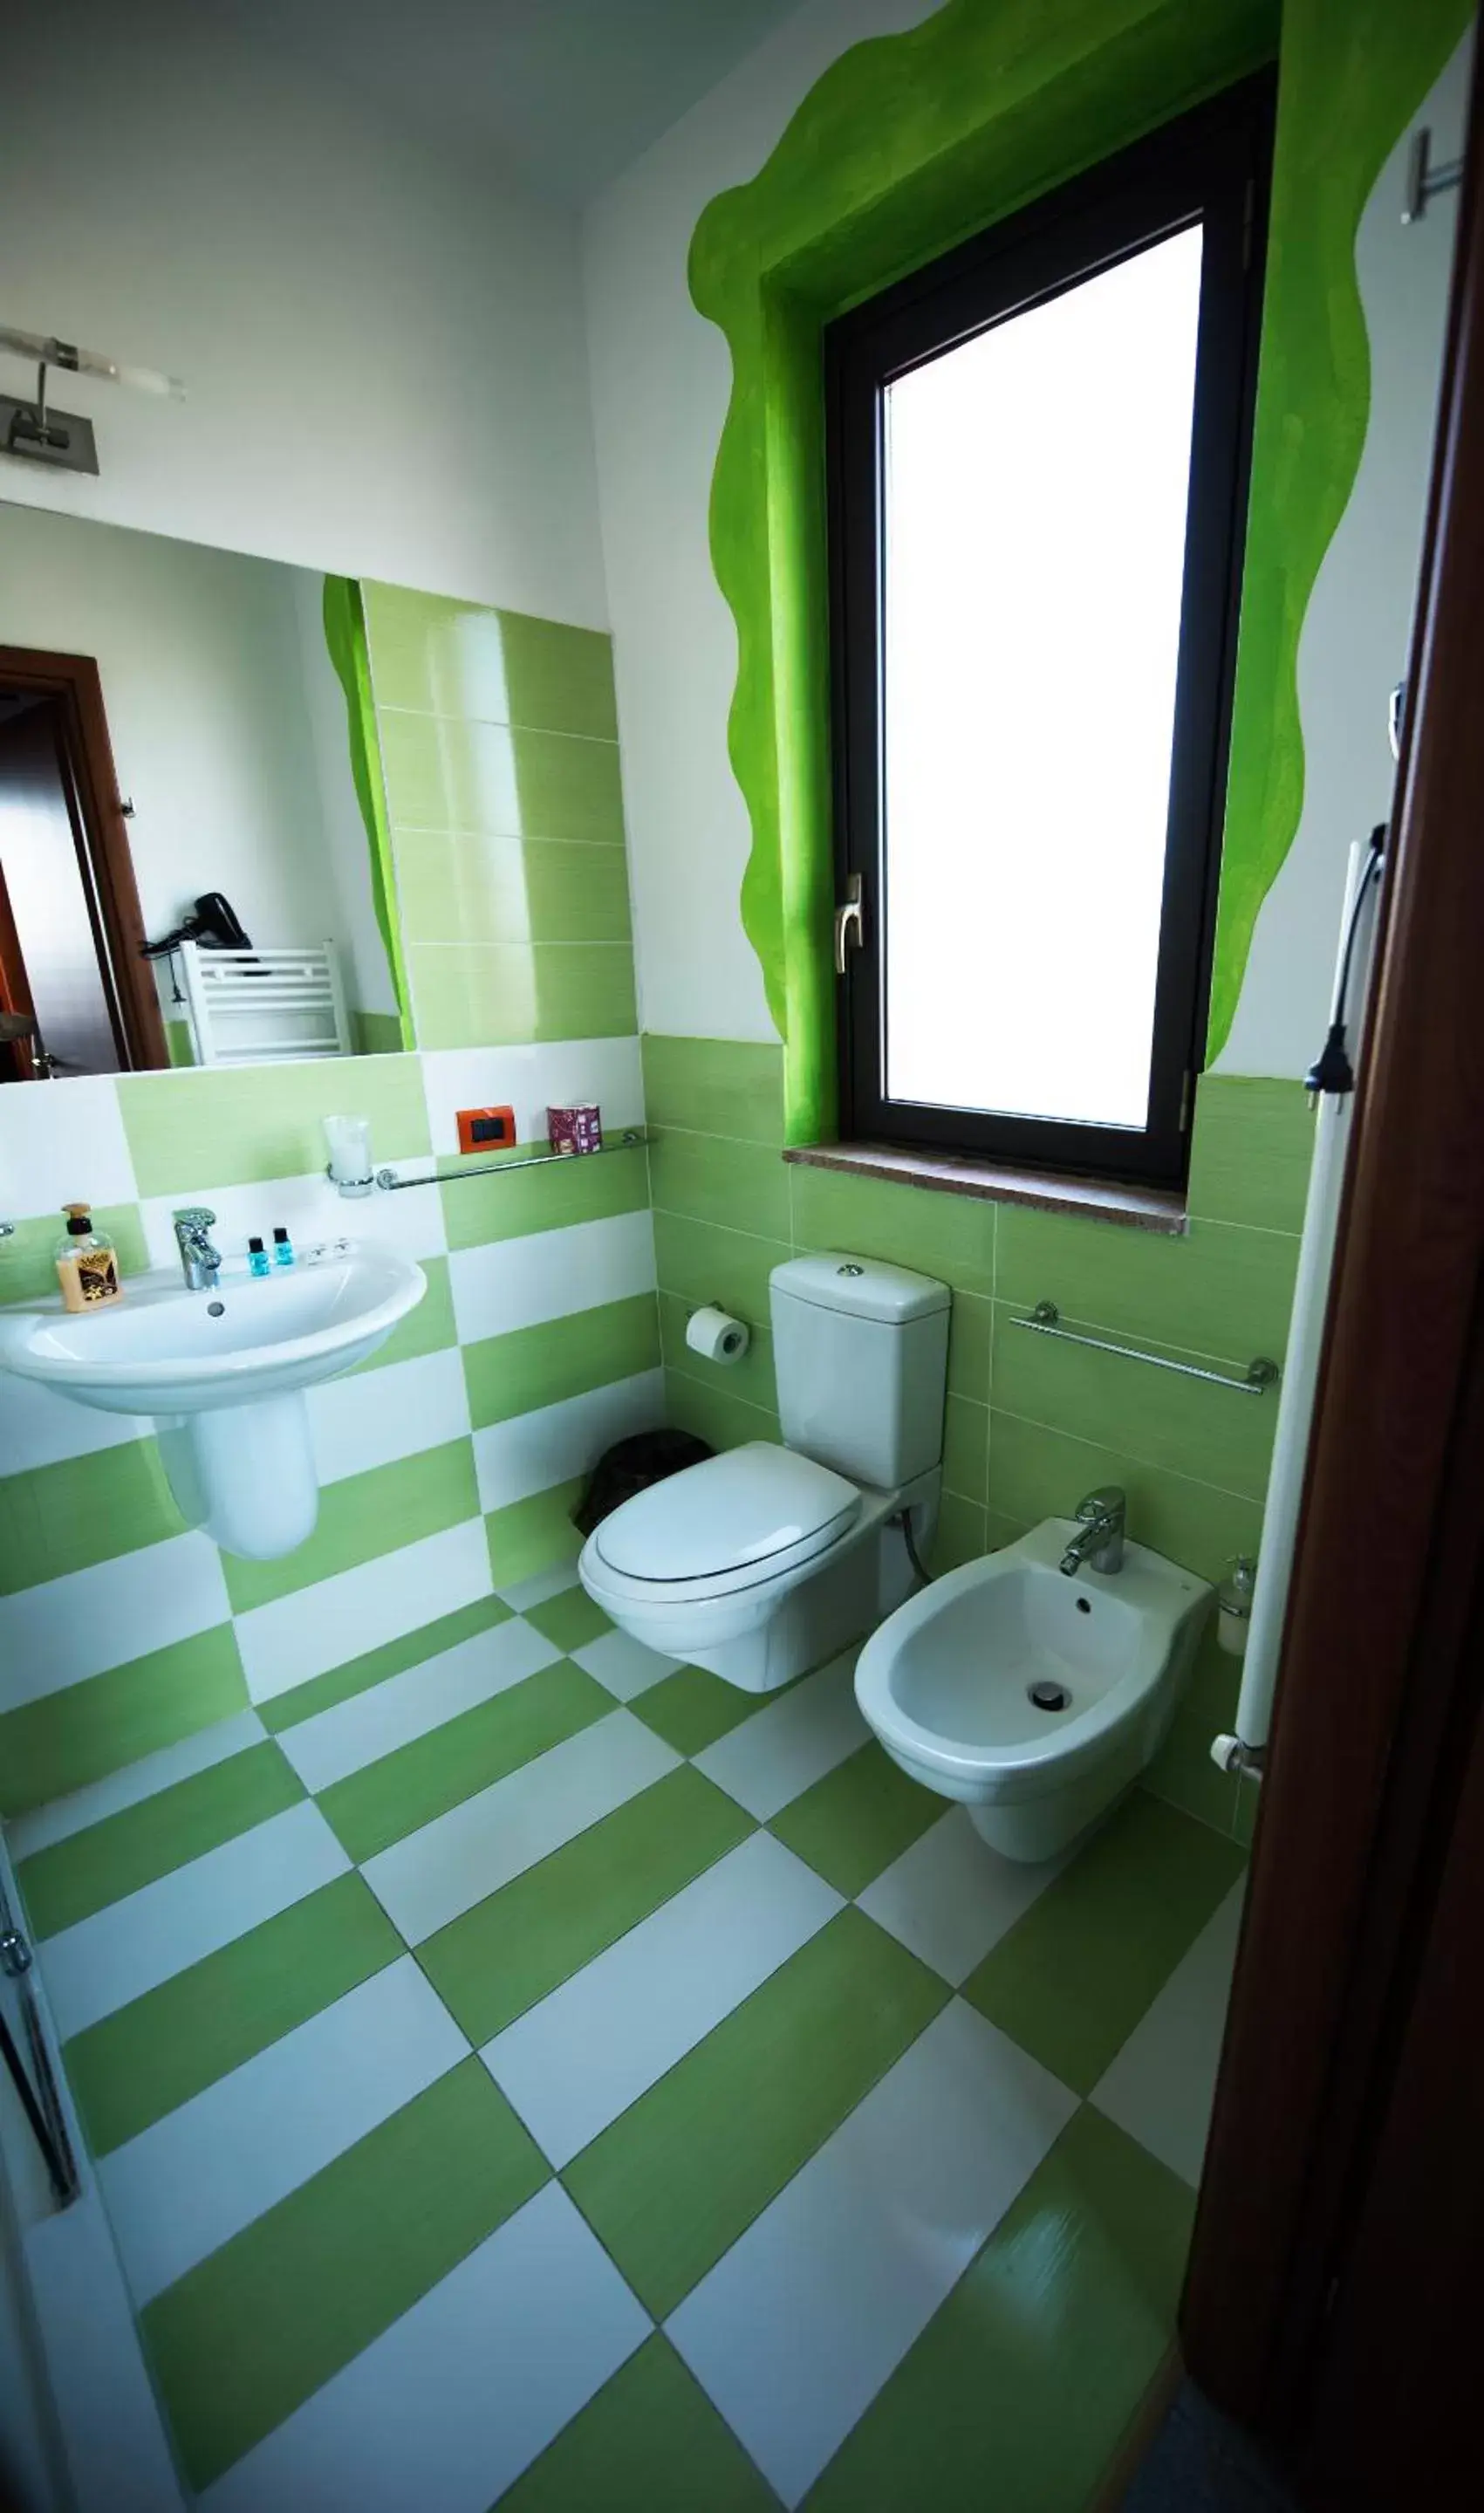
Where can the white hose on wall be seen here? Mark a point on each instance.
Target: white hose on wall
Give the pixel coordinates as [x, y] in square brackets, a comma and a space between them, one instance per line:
[1295, 1401]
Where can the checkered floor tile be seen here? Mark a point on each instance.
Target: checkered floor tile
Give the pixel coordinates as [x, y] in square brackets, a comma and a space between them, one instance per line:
[547, 2076]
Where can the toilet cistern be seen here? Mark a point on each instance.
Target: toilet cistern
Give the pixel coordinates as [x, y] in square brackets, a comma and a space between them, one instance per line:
[1099, 1537]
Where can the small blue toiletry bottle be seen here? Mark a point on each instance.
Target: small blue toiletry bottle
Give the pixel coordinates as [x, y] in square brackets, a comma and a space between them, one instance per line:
[257, 1257]
[283, 1247]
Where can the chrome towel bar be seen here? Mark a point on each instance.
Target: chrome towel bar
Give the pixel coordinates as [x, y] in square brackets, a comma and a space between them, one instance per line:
[626, 1139]
[1046, 1318]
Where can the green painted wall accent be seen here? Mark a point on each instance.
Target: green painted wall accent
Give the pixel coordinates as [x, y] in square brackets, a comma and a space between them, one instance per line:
[905, 145]
[345, 637]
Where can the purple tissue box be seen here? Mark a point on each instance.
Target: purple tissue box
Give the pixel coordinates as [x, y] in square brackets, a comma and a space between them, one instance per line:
[577, 1128]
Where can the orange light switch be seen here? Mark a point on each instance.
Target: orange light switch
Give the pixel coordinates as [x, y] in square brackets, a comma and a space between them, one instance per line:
[486, 1130]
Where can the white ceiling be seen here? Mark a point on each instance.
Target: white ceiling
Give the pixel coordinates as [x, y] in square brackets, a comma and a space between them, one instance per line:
[554, 96]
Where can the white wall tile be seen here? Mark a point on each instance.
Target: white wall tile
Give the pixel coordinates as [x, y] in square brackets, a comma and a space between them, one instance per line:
[570, 2064]
[311, 1212]
[285, 1642]
[60, 1141]
[117, 1954]
[370, 1418]
[797, 2326]
[65, 1629]
[38, 1428]
[195, 2178]
[354, 1733]
[458, 2396]
[460, 1859]
[530, 1080]
[510, 1282]
[557, 1441]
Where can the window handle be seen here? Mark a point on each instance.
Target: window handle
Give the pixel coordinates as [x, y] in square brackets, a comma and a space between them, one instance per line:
[849, 928]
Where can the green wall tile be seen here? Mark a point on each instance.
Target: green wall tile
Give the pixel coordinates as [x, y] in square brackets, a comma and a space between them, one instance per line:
[741, 1187]
[752, 1378]
[971, 1334]
[259, 2325]
[428, 1327]
[490, 891]
[714, 1415]
[72, 1879]
[966, 1449]
[148, 2058]
[82, 1510]
[449, 658]
[1249, 1151]
[1219, 1291]
[951, 1237]
[1215, 1434]
[678, 2176]
[857, 1819]
[533, 1365]
[533, 1535]
[649, 2442]
[1071, 1979]
[443, 772]
[387, 1799]
[707, 1265]
[961, 1533]
[189, 1132]
[28, 1261]
[1183, 1771]
[497, 1960]
[472, 995]
[477, 1210]
[363, 1517]
[371, 1033]
[715, 1086]
[53, 1746]
[375, 1666]
[1036, 1472]
[1085, 2270]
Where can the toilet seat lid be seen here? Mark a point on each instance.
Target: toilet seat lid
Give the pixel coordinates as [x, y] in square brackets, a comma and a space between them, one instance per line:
[742, 1508]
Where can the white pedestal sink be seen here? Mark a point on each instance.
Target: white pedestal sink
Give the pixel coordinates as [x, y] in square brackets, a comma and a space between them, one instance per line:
[223, 1373]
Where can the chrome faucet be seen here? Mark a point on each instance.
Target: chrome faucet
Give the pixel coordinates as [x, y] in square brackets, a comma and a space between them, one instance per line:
[200, 1261]
[1100, 1532]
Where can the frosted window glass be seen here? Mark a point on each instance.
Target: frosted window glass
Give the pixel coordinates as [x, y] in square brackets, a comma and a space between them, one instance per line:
[1037, 485]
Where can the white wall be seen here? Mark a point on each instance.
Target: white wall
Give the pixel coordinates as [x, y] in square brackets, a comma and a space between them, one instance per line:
[661, 380]
[203, 675]
[384, 357]
[1353, 646]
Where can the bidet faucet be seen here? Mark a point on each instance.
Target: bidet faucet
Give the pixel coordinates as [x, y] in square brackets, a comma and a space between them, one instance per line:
[1100, 1532]
[200, 1261]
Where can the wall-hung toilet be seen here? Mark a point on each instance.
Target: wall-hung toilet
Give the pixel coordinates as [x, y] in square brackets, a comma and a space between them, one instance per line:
[766, 1560]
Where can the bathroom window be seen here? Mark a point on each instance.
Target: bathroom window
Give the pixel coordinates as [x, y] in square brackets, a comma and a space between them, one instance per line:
[1037, 476]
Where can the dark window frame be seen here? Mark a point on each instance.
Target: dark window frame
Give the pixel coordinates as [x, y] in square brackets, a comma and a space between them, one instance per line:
[1212, 165]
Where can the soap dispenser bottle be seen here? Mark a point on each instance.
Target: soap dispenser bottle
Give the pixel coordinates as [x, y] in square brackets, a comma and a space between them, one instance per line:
[87, 1263]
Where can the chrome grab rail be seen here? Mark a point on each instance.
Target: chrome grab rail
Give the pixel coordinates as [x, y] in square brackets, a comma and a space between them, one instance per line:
[626, 1139]
[1046, 1318]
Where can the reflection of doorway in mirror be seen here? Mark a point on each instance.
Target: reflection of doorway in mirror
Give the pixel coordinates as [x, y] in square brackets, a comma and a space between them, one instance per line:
[73, 996]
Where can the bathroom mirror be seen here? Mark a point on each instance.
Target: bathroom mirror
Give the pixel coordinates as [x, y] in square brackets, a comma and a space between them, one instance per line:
[189, 871]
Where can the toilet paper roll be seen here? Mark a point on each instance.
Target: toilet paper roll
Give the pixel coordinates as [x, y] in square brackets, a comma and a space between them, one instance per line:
[716, 1336]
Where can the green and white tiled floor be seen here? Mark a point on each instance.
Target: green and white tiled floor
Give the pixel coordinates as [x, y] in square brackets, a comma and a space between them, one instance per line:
[537, 2074]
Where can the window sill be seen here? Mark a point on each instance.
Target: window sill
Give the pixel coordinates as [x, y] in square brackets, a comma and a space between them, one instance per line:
[1138, 1207]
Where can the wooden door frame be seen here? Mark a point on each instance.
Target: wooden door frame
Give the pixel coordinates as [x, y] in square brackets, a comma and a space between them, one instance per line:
[101, 834]
[1381, 1681]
